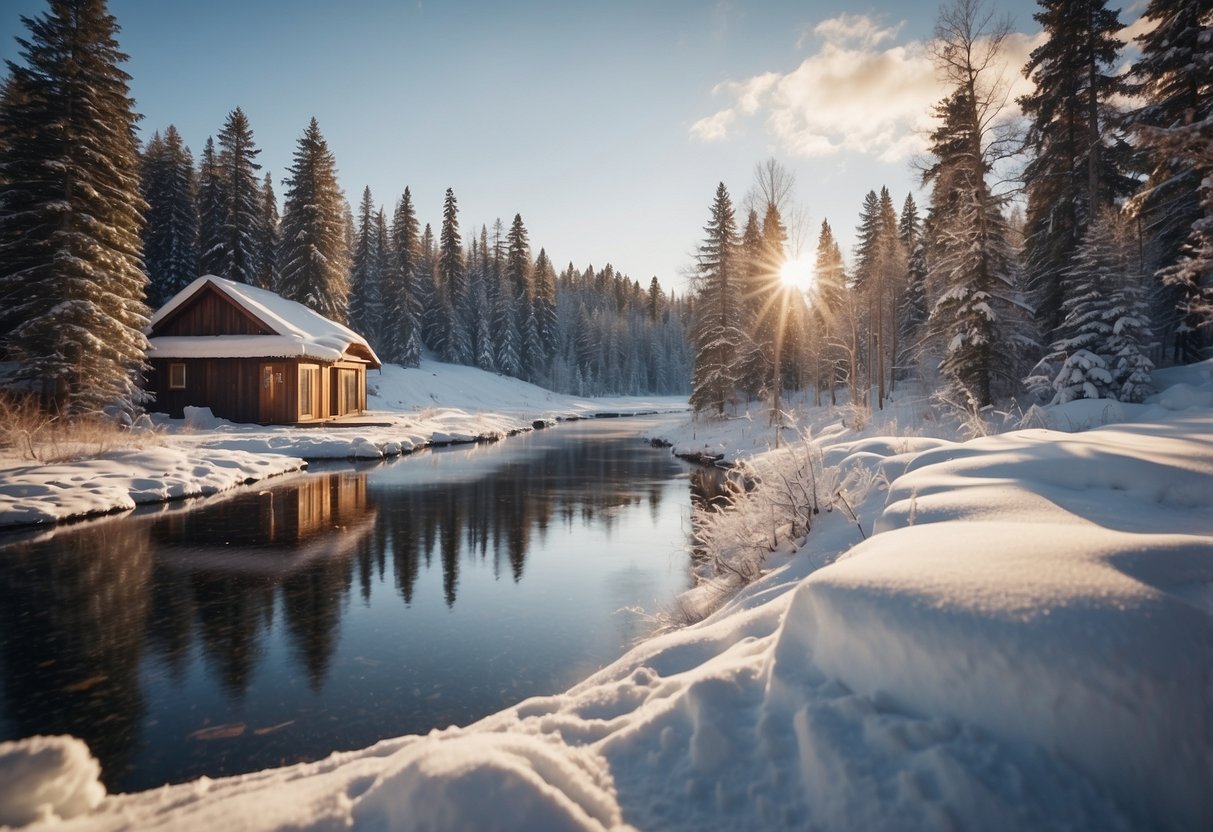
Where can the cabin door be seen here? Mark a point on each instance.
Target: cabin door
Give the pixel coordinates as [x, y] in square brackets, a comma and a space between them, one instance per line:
[273, 392]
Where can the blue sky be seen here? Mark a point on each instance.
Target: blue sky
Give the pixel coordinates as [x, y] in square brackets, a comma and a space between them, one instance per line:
[606, 125]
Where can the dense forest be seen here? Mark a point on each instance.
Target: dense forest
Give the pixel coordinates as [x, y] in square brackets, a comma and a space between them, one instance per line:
[98, 231]
[1071, 278]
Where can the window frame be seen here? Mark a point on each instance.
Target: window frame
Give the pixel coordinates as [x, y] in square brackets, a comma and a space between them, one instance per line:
[175, 368]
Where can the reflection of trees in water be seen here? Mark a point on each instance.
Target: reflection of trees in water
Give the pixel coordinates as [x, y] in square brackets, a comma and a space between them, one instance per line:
[224, 564]
[500, 511]
[77, 609]
[72, 616]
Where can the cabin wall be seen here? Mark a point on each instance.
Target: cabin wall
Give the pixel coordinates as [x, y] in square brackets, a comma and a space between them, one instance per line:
[232, 389]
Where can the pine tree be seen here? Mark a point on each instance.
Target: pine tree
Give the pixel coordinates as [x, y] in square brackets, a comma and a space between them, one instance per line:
[212, 204]
[1078, 159]
[717, 333]
[71, 213]
[545, 306]
[1101, 345]
[973, 317]
[829, 305]
[365, 278]
[242, 199]
[268, 238]
[518, 259]
[170, 232]
[757, 296]
[402, 299]
[313, 259]
[452, 282]
[1174, 77]
[914, 309]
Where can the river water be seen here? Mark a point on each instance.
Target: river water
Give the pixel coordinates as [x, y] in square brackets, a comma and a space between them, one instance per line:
[331, 609]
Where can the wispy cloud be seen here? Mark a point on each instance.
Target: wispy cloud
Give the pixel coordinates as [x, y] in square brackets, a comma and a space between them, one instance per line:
[858, 91]
[852, 29]
[714, 128]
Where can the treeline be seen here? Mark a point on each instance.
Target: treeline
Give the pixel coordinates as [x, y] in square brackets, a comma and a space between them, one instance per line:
[96, 232]
[1102, 267]
[484, 301]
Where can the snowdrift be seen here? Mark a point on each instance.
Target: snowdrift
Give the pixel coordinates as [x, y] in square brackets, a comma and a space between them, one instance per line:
[1024, 642]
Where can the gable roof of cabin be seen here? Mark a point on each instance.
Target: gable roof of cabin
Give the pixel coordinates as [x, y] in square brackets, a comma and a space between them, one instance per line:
[297, 330]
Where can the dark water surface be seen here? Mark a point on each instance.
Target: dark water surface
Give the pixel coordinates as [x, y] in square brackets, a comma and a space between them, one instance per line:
[342, 606]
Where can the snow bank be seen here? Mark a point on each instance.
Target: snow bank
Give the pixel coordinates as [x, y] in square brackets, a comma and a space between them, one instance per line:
[47, 778]
[121, 479]
[1024, 641]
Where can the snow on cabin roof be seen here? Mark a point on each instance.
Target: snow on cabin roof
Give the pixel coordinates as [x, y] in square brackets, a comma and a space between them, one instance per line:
[300, 331]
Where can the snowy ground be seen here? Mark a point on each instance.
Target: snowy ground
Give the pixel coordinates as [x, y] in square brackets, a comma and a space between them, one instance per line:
[200, 455]
[1024, 640]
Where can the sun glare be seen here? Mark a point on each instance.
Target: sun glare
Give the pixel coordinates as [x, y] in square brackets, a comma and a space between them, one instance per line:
[797, 273]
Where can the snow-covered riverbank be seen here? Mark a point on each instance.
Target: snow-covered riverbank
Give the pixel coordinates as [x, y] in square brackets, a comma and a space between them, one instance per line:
[200, 455]
[1023, 641]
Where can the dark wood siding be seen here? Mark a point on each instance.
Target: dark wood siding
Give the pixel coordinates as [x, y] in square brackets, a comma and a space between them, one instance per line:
[231, 388]
[210, 312]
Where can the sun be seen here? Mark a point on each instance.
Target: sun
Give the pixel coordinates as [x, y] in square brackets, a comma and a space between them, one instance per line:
[797, 273]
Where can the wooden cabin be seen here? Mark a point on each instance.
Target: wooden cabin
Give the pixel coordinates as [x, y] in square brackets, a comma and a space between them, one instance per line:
[253, 356]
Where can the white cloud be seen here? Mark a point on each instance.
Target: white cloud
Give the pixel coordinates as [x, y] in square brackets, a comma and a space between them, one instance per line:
[714, 128]
[855, 30]
[852, 93]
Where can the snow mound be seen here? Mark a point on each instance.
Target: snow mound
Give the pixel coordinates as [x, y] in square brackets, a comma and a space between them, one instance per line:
[490, 782]
[1054, 593]
[46, 779]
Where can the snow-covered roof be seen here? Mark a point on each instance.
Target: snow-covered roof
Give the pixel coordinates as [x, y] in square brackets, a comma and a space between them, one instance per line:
[298, 330]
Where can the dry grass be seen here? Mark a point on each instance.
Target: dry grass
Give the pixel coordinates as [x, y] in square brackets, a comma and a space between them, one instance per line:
[30, 433]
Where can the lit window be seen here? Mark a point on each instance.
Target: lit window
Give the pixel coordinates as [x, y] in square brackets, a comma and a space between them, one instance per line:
[309, 390]
[176, 376]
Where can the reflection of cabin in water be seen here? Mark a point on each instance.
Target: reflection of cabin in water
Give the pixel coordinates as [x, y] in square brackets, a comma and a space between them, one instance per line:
[278, 532]
[253, 356]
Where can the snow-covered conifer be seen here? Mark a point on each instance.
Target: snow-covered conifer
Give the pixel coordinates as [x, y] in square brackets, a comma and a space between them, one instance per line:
[268, 237]
[312, 261]
[717, 333]
[170, 232]
[71, 213]
[243, 199]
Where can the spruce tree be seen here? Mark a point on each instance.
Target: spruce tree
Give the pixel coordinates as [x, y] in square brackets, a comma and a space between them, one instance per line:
[71, 213]
[518, 260]
[402, 301]
[974, 320]
[1078, 160]
[242, 196]
[452, 281]
[545, 306]
[365, 289]
[170, 233]
[1101, 344]
[212, 205]
[829, 304]
[912, 314]
[1174, 78]
[268, 240]
[757, 274]
[312, 261]
[717, 334]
